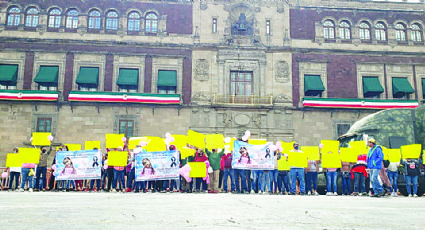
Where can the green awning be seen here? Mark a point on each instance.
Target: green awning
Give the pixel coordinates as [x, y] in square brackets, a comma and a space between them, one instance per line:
[88, 75]
[402, 85]
[423, 86]
[47, 74]
[313, 83]
[9, 74]
[128, 77]
[167, 78]
[372, 85]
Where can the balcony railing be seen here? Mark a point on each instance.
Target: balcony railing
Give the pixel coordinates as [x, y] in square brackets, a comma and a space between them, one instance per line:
[242, 100]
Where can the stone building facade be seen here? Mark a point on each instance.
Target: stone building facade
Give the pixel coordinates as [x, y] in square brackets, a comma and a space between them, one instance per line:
[285, 70]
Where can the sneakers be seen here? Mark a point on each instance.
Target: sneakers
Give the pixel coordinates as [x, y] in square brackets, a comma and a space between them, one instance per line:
[30, 190]
[114, 190]
[252, 191]
[21, 190]
[328, 194]
[315, 193]
[354, 194]
[335, 194]
[415, 195]
[410, 195]
[260, 192]
[128, 190]
[309, 193]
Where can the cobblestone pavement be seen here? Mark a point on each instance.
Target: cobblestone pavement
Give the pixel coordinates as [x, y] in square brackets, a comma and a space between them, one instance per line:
[81, 210]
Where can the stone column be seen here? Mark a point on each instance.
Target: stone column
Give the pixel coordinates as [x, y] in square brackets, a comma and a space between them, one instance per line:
[29, 67]
[69, 73]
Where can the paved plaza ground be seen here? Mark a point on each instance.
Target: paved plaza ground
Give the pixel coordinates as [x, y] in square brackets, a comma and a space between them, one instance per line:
[83, 210]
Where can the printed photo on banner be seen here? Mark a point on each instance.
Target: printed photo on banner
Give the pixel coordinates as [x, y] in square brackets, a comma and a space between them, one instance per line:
[157, 165]
[78, 165]
[247, 156]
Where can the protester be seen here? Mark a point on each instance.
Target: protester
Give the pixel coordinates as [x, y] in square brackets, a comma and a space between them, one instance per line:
[214, 159]
[226, 167]
[331, 179]
[14, 174]
[311, 177]
[374, 164]
[240, 173]
[200, 157]
[27, 172]
[393, 176]
[283, 177]
[411, 173]
[273, 175]
[297, 172]
[345, 176]
[42, 169]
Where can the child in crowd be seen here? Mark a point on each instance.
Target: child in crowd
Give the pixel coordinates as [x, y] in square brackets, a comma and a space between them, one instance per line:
[359, 174]
[146, 171]
[393, 176]
[345, 176]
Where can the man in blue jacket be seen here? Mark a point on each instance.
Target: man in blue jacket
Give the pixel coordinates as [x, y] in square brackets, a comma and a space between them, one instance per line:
[374, 164]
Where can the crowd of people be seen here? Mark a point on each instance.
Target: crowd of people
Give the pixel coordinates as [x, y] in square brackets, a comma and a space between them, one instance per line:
[382, 174]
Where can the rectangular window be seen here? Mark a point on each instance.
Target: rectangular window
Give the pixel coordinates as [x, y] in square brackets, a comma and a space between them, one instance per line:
[166, 89]
[2, 86]
[126, 127]
[47, 87]
[267, 27]
[44, 124]
[342, 129]
[240, 83]
[214, 25]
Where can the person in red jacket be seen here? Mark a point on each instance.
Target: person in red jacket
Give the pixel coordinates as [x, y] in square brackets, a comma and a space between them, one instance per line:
[226, 167]
[359, 174]
[200, 157]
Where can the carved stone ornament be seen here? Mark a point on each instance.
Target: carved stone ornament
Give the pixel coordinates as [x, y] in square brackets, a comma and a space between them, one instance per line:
[282, 99]
[201, 97]
[242, 119]
[282, 72]
[202, 70]
[203, 5]
[227, 119]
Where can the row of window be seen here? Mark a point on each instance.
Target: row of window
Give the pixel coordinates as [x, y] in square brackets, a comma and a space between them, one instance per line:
[366, 30]
[88, 79]
[372, 88]
[94, 21]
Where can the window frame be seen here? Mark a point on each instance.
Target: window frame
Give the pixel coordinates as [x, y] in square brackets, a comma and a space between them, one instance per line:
[135, 21]
[151, 22]
[329, 30]
[235, 91]
[32, 19]
[94, 22]
[127, 121]
[13, 18]
[112, 22]
[47, 87]
[72, 19]
[54, 20]
[416, 33]
[345, 30]
[380, 32]
[44, 119]
[166, 89]
[400, 32]
[365, 32]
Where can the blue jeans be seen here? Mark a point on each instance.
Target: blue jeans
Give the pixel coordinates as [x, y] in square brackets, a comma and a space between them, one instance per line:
[283, 181]
[118, 175]
[97, 184]
[273, 180]
[345, 176]
[241, 173]
[14, 176]
[175, 184]
[40, 174]
[393, 176]
[359, 180]
[26, 178]
[198, 183]
[70, 182]
[297, 172]
[331, 178]
[248, 180]
[256, 179]
[311, 180]
[130, 178]
[227, 173]
[265, 181]
[377, 187]
[409, 181]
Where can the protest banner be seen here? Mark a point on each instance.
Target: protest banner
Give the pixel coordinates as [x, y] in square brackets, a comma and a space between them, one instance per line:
[329, 146]
[78, 165]
[113, 141]
[255, 156]
[214, 141]
[41, 138]
[331, 160]
[90, 145]
[117, 158]
[312, 152]
[297, 159]
[157, 165]
[196, 139]
[198, 169]
[13, 160]
[155, 144]
[348, 155]
[29, 155]
[411, 151]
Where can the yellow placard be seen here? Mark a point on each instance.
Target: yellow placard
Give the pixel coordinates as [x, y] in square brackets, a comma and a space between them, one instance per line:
[196, 139]
[89, 145]
[411, 151]
[330, 146]
[394, 155]
[117, 158]
[180, 141]
[232, 142]
[257, 141]
[29, 155]
[287, 146]
[113, 141]
[13, 160]
[359, 146]
[283, 164]
[198, 169]
[348, 155]
[312, 152]
[73, 147]
[40, 139]
[133, 141]
[187, 152]
[214, 141]
[155, 144]
[331, 160]
[297, 159]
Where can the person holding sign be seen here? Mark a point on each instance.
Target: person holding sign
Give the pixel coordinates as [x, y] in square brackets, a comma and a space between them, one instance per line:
[14, 173]
[214, 158]
[311, 174]
[332, 175]
[226, 166]
[42, 169]
[411, 172]
[393, 176]
[297, 172]
[359, 174]
[375, 159]
[200, 157]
